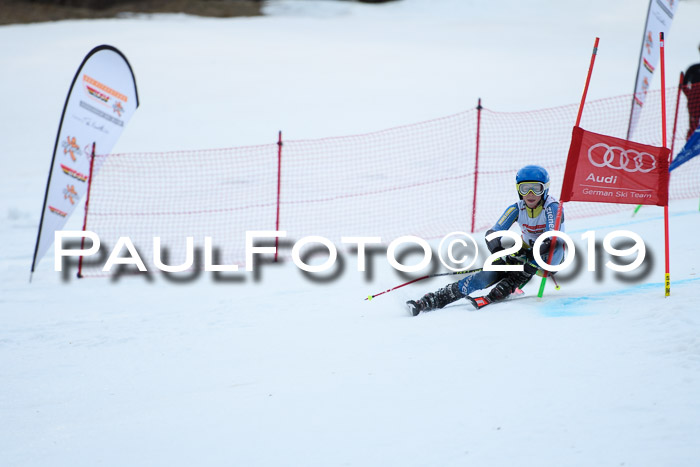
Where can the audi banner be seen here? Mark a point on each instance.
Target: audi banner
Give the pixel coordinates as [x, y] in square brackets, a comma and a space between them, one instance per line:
[604, 169]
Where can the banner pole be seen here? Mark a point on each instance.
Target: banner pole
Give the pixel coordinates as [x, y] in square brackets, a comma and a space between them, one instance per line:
[48, 179]
[636, 79]
[279, 186]
[675, 118]
[557, 222]
[476, 161]
[87, 203]
[663, 138]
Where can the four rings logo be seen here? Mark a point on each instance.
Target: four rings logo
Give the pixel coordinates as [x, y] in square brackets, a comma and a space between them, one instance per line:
[617, 158]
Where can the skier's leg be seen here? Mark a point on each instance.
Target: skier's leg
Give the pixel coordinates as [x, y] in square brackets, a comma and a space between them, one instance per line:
[507, 285]
[478, 281]
[453, 292]
[434, 300]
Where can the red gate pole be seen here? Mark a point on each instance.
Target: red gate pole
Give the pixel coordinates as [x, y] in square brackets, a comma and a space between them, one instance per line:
[675, 125]
[663, 137]
[557, 222]
[588, 81]
[87, 203]
[476, 161]
[279, 185]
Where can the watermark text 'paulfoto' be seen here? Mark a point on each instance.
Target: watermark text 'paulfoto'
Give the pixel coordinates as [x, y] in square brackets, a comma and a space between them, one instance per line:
[464, 261]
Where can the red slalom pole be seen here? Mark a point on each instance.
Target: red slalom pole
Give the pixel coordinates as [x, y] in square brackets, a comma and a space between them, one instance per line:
[675, 126]
[87, 203]
[279, 186]
[557, 222]
[588, 81]
[663, 139]
[476, 161]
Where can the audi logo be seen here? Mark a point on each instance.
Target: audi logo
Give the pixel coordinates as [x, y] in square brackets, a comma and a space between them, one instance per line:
[617, 158]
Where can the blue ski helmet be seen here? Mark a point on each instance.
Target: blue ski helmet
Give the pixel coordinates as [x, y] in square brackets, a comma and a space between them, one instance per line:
[533, 173]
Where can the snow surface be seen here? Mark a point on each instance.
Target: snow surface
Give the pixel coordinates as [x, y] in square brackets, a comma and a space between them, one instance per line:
[279, 369]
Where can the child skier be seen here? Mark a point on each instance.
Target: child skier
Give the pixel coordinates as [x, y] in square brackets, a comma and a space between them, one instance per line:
[535, 212]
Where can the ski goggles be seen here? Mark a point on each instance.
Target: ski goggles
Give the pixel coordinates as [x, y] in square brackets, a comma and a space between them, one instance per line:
[526, 187]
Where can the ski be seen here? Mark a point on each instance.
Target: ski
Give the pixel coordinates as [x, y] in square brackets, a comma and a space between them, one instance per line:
[478, 302]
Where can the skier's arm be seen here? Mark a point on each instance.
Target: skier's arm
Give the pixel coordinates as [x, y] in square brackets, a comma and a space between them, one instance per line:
[551, 215]
[531, 267]
[510, 215]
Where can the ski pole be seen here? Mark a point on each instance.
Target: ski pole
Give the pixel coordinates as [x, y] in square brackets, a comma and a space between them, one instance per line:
[452, 273]
[556, 286]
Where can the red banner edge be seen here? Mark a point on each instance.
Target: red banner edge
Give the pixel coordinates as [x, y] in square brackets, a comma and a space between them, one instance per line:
[571, 164]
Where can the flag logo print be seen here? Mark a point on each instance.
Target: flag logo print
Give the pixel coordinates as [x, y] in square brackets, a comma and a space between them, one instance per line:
[73, 173]
[649, 42]
[97, 94]
[70, 194]
[617, 158]
[70, 146]
[57, 211]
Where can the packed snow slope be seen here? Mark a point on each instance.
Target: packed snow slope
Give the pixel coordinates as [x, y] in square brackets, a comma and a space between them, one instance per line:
[277, 368]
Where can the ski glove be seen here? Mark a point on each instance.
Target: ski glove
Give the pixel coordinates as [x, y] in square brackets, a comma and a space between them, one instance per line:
[531, 268]
[544, 248]
[495, 244]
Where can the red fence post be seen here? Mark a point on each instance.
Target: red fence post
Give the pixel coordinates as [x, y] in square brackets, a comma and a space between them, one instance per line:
[476, 160]
[87, 202]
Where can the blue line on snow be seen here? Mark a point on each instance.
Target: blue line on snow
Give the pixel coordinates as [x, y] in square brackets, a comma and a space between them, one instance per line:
[638, 221]
[584, 306]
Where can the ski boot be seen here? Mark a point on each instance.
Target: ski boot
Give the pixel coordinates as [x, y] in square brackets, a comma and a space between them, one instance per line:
[507, 286]
[432, 301]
